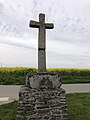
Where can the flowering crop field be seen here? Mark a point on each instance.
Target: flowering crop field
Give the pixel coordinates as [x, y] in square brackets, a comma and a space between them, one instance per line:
[73, 75]
[17, 75]
[14, 75]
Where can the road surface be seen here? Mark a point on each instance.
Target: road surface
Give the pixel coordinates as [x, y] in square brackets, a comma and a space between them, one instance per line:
[9, 93]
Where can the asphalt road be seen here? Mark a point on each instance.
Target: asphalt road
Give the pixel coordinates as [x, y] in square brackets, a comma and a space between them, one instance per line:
[10, 92]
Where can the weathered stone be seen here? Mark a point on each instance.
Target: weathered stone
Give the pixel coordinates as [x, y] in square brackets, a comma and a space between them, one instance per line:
[42, 97]
[42, 104]
[42, 80]
[42, 60]
[41, 40]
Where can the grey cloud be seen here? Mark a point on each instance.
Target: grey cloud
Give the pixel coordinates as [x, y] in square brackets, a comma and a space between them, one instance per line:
[71, 26]
[17, 45]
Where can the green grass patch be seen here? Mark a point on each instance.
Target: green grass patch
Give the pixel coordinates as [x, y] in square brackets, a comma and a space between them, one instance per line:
[17, 75]
[78, 108]
[8, 111]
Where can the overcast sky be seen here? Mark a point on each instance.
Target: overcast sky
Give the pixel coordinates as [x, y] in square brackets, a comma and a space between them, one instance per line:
[67, 45]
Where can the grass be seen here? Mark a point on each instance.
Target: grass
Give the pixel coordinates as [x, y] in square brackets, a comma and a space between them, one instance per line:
[17, 75]
[78, 108]
[8, 111]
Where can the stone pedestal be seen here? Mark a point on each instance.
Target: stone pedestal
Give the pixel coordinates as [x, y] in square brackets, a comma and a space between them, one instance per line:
[42, 98]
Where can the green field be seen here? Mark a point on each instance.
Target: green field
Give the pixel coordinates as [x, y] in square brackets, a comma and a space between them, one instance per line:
[17, 76]
[78, 108]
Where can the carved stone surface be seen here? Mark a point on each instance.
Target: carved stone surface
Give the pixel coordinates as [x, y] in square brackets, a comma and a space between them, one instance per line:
[44, 80]
[42, 26]
[42, 98]
[42, 29]
[42, 60]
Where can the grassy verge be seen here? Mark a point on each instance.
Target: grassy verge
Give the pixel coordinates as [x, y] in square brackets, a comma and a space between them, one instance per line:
[17, 76]
[8, 111]
[78, 108]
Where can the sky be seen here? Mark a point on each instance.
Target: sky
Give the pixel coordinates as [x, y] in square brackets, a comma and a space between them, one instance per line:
[67, 45]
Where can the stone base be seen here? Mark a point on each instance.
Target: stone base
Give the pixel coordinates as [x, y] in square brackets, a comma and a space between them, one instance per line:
[45, 104]
[42, 98]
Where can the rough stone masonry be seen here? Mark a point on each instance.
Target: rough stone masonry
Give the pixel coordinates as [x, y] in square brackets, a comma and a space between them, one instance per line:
[42, 98]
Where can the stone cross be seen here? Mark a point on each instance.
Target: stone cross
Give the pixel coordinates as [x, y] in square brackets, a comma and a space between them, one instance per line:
[41, 40]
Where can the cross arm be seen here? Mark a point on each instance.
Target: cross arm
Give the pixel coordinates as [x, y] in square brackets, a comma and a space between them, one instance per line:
[34, 24]
[49, 25]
